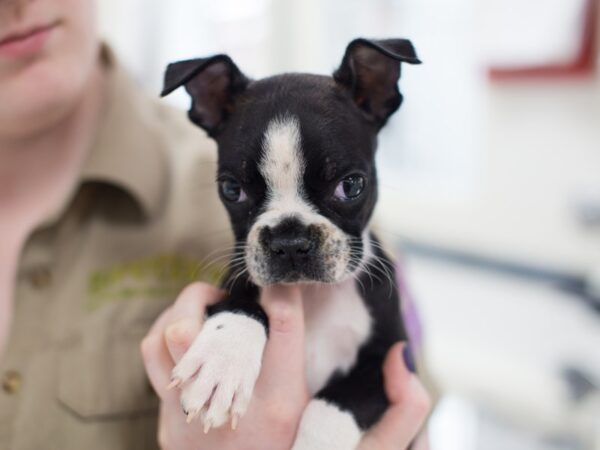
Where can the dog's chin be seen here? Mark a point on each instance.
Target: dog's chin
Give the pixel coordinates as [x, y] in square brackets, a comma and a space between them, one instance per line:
[324, 267]
[298, 277]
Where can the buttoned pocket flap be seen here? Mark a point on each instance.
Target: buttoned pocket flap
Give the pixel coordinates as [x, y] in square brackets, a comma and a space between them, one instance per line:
[105, 381]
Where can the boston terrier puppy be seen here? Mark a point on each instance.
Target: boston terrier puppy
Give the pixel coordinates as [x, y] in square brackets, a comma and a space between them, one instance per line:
[297, 175]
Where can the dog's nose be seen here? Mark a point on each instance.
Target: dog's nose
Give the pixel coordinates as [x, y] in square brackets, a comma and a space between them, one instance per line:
[290, 246]
[289, 241]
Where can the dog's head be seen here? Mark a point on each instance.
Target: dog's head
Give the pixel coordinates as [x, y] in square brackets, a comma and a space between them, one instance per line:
[296, 156]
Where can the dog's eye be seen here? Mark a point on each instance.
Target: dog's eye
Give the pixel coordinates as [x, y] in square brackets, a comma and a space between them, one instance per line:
[232, 191]
[350, 187]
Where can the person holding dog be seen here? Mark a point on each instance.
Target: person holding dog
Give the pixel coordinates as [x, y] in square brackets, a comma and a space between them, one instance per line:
[107, 211]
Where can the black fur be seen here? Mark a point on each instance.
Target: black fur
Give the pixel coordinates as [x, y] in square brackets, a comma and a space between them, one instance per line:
[361, 390]
[340, 117]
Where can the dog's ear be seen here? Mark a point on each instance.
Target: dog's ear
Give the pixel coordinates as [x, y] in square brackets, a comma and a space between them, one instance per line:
[213, 83]
[370, 71]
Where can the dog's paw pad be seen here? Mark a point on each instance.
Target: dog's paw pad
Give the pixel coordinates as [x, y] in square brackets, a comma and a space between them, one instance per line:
[220, 369]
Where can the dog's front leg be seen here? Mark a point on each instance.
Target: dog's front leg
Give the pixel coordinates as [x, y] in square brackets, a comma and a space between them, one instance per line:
[218, 372]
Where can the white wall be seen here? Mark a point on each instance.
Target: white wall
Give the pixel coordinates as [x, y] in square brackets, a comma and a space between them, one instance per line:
[493, 168]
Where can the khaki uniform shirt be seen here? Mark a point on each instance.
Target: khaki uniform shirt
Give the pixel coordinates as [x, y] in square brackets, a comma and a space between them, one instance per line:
[94, 277]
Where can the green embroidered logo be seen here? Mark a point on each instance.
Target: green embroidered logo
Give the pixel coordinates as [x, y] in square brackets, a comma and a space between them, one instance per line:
[154, 277]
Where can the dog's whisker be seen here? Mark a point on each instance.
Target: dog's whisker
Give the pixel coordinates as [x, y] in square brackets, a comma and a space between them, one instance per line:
[358, 280]
[279, 194]
[228, 250]
[219, 258]
[379, 265]
[236, 277]
[237, 265]
[364, 268]
[369, 264]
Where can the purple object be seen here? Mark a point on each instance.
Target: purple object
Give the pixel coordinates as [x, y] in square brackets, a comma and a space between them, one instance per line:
[410, 313]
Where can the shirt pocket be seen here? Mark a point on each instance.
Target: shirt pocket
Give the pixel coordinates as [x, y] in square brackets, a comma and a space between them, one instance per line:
[105, 380]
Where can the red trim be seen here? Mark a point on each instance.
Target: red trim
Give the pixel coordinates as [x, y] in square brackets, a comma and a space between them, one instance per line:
[583, 64]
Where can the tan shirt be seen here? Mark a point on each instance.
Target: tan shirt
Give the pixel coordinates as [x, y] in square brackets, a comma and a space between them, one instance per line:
[94, 277]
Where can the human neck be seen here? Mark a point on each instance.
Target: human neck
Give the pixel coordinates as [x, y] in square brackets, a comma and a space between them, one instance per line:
[37, 170]
[36, 175]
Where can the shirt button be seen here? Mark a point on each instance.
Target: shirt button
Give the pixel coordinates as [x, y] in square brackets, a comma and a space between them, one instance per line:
[11, 382]
[40, 278]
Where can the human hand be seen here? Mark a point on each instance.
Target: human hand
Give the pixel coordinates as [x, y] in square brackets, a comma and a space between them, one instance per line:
[279, 396]
[409, 406]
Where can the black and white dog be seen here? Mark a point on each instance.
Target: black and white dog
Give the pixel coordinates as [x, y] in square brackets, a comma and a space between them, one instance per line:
[297, 175]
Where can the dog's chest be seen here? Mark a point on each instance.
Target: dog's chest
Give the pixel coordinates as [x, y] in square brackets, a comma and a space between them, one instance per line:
[337, 324]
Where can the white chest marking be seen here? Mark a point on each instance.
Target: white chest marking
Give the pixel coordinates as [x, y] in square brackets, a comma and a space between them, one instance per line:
[337, 324]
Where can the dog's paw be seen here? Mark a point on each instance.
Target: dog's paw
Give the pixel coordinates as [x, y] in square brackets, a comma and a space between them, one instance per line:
[218, 372]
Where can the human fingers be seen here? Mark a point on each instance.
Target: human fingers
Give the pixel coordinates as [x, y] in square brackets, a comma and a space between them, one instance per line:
[186, 316]
[409, 405]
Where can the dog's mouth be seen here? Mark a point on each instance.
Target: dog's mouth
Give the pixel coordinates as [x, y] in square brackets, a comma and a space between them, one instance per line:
[293, 270]
[308, 270]
[291, 257]
[294, 253]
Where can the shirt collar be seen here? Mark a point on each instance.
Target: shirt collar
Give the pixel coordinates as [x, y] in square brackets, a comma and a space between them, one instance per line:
[127, 153]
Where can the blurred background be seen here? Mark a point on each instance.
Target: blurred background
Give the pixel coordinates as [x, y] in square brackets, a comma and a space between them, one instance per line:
[490, 185]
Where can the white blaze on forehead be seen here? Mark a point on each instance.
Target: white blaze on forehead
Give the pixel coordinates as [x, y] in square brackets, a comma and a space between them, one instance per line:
[282, 164]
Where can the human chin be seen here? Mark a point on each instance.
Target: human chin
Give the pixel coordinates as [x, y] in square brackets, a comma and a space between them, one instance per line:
[46, 88]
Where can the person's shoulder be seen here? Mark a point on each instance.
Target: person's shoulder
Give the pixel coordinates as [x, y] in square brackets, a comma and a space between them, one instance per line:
[191, 154]
[151, 119]
[188, 153]
[191, 157]
[195, 206]
[181, 138]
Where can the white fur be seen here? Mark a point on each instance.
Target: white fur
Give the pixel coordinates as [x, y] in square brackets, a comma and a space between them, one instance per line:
[282, 166]
[325, 427]
[226, 356]
[337, 324]
[227, 360]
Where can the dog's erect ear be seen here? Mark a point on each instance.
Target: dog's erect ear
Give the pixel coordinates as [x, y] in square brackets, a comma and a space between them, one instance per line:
[370, 70]
[213, 83]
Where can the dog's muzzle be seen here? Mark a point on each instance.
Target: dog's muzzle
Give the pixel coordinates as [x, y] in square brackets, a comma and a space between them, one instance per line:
[292, 251]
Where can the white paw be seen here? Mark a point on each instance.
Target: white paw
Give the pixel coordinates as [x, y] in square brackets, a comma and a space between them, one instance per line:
[218, 372]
